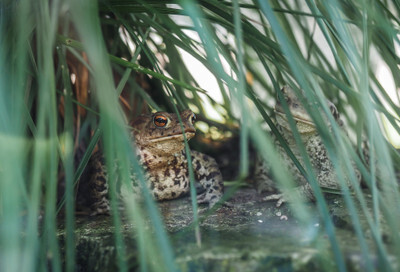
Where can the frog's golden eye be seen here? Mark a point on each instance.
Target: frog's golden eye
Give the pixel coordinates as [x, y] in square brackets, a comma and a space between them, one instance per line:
[192, 118]
[160, 121]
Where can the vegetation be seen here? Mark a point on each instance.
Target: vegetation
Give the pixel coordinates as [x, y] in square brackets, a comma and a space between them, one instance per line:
[64, 65]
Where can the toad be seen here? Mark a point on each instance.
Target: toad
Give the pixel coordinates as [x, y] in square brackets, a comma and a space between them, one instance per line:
[324, 170]
[160, 148]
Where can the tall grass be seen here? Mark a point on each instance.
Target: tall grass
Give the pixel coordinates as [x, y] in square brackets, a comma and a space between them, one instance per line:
[323, 49]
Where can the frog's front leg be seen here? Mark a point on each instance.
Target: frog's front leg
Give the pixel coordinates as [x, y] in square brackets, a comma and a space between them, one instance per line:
[263, 181]
[207, 173]
[98, 186]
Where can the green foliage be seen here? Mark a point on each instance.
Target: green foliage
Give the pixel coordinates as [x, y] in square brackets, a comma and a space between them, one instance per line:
[323, 49]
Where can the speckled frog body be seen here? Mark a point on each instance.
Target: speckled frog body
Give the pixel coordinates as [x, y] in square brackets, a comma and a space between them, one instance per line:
[314, 146]
[160, 148]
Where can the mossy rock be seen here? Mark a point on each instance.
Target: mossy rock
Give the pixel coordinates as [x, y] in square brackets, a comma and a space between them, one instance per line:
[248, 235]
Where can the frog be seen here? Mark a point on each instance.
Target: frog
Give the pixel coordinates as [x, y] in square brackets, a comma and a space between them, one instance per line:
[317, 152]
[159, 140]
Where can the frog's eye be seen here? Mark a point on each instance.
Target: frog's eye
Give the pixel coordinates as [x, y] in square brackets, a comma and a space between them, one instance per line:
[334, 111]
[192, 118]
[160, 120]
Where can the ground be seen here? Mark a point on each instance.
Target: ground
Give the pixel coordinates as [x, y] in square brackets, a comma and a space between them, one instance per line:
[248, 235]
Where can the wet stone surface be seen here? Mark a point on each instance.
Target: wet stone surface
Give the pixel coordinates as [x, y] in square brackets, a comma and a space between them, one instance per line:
[247, 235]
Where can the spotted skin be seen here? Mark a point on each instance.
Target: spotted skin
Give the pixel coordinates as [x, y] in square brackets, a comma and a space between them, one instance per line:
[207, 173]
[315, 148]
[160, 150]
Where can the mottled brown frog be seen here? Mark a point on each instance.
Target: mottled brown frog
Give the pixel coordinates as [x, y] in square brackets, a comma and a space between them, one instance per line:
[160, 148]
[312, 141]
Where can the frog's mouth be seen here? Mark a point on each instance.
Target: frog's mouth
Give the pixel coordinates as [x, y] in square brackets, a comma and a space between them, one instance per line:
[295, 117]
[179, 136]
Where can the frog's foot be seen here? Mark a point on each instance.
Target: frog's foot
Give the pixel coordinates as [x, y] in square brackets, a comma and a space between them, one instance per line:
[281, 199]
[100, 212]
[100, 207]
[208, 198]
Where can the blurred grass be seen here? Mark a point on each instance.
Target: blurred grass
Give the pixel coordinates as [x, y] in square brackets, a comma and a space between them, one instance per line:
[328, 49]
